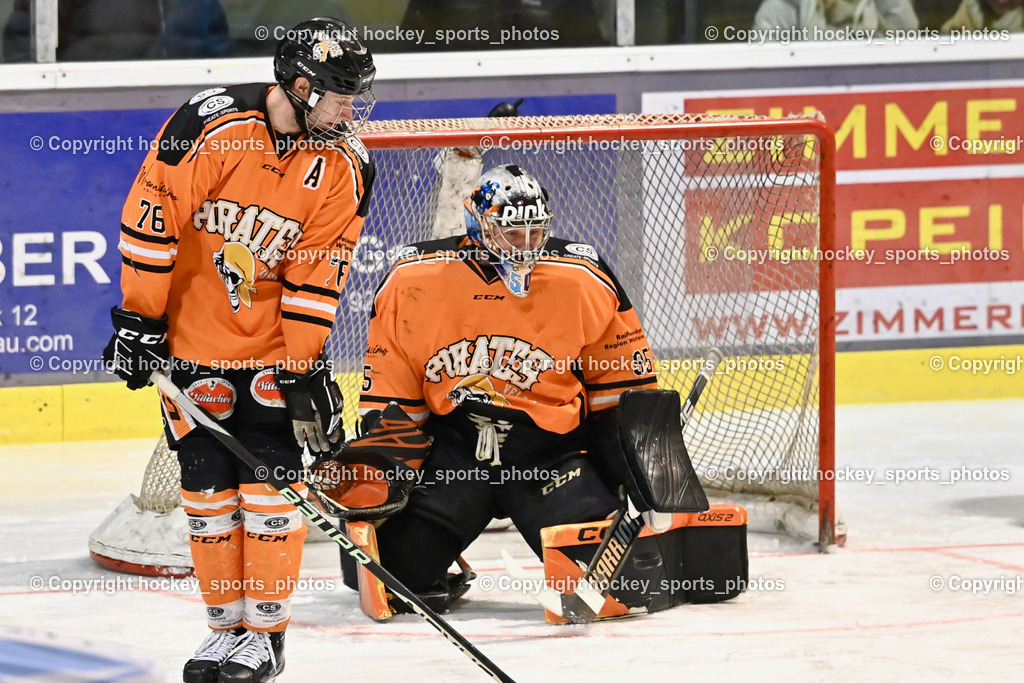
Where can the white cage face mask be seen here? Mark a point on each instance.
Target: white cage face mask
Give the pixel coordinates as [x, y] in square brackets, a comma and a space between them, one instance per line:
[330, 116]
[520, 242]
[513, 215]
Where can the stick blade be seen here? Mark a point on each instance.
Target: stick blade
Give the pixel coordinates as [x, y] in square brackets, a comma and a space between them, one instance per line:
[548, 598]
[590, 597]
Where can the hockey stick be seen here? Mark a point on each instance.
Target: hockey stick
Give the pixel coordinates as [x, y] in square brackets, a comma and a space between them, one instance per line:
[314, 516]
[582, 605]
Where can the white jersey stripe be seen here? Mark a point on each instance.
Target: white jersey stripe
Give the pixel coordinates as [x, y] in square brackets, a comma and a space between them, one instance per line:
[306, 303]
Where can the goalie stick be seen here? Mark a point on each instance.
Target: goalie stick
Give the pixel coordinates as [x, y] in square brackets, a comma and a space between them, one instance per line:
[314, 516]
[582, 605]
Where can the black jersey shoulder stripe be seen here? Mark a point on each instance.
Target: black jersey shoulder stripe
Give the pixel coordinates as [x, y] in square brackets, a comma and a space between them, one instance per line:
[299, 317]
[363, 171]
[588, 254]
[311, 289]
[182, 133]
[412, 403]
[143, 237]
[369, 174]
[220, 128]
[413, 254]
[586, 268]
[145, 266]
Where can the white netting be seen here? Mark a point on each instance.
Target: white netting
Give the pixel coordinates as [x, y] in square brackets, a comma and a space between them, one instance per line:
[712, 226]
[679, 211]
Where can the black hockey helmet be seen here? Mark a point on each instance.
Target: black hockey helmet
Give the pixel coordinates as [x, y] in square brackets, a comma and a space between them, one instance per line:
[329, 54]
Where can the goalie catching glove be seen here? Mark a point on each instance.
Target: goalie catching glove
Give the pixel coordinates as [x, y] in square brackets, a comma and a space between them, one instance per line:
[314, 404]
[370, 477]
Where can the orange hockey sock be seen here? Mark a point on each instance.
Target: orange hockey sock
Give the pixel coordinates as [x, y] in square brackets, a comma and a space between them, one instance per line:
[215, 538]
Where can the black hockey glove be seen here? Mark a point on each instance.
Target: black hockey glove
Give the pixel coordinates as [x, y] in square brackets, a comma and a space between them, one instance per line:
[138, 347]
[314, 404]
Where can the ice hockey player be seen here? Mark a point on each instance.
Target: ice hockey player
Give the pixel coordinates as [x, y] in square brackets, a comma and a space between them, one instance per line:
[501, 343]
[235, 241]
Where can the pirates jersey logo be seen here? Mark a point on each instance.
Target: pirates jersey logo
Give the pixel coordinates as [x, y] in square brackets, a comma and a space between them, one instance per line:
[237, 268]
[262, 231]
[508, 359]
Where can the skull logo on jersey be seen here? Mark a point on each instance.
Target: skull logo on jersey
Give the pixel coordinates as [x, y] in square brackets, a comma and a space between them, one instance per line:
[237, 268]
[476, 388]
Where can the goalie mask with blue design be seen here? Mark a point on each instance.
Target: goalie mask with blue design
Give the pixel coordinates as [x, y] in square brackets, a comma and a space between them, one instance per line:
[508, 215]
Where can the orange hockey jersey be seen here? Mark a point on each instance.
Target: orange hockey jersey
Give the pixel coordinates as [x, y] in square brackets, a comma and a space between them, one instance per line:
[241, 236]
[446, 332]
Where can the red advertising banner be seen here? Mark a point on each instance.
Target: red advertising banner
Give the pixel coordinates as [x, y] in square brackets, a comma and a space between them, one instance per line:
[900, 128]
[929, 178]
[931, 232]
[929, 198]
[734, 236]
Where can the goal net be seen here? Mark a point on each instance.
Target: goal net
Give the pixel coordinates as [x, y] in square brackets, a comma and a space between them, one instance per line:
[714, 225]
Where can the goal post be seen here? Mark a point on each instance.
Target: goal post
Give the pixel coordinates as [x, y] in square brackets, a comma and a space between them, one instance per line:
[716, 226]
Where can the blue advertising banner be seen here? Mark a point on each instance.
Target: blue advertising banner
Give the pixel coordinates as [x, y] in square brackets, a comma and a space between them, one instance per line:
[64, 180]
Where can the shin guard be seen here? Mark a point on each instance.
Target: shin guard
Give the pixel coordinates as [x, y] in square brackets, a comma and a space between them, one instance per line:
[274, 533]
[215, 539]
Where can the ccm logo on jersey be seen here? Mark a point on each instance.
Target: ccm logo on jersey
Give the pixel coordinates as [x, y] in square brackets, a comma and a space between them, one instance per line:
[559, 481]
[273, 169]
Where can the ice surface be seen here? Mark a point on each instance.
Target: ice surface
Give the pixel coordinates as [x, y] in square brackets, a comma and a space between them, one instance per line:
[865, 612]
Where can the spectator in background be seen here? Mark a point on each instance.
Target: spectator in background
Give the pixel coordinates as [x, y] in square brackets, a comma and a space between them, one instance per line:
[999, 15]
[511, 24]
[95, 30]
[248, 19]
[831, 14]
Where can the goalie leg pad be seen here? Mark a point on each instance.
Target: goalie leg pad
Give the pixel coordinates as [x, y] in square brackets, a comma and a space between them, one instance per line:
[373, 599]
[418, 551]
[701, 558]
